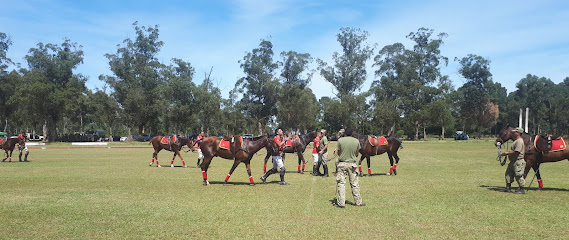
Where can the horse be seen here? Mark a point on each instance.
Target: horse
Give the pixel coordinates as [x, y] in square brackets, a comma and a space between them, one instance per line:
[173, 146]
[238, 152]
[8, 145]
[367, 150]
[533, 156]
[298, 146]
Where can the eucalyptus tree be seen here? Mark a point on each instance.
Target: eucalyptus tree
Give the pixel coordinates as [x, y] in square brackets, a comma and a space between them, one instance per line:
[49, 90]
[479, 96]
[137, 80]
[348, 73]
[7, 81]
[259, 86]
[297, 105]
[410, 79]
[178, 97]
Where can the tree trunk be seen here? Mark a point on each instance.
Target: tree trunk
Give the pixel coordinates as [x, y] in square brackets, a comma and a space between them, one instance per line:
[443, 132]
[424, 133]
[260, 128]
[44, 131]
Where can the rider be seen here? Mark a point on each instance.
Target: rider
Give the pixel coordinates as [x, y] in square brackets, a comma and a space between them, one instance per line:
[199, 141]
[277, 159]
[315, 149]
[23, 147]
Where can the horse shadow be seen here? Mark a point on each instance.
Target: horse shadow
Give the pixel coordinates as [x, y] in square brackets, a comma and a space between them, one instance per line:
[500, 188]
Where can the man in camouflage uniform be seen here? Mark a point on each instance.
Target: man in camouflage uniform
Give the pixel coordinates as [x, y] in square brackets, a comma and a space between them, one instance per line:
[348, 148]
[517, 163]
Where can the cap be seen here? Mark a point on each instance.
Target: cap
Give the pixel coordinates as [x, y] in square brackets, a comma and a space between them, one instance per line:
[342, 130]
[323, 131]
[520, 130]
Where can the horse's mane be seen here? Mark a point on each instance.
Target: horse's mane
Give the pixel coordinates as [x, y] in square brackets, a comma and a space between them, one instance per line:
[258, 137]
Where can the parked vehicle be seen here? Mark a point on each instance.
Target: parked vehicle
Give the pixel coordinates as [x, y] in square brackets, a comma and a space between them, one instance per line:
[460, 135]
[247, 136]
[34, 137]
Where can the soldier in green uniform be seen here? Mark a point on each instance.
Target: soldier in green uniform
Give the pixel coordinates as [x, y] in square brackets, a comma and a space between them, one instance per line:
[517, 163]
[348, 148]
[323, 153]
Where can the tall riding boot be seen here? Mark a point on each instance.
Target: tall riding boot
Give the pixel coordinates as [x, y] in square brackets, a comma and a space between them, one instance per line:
[508, 188]
[318, 169]
[282, 173]
[313, 170]
[325, 166]
[267, 174]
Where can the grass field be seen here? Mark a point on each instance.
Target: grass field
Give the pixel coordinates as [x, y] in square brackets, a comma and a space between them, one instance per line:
[443, 190]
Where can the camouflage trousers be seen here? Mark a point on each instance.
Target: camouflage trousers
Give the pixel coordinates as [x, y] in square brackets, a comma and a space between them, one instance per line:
[515, 171]
[350, 169]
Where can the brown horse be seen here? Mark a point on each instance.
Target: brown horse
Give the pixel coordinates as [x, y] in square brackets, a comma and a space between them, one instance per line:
[533, 156]
[8, 145]
[367, 150]
[210, 147]
[175, 147]
[298, 146]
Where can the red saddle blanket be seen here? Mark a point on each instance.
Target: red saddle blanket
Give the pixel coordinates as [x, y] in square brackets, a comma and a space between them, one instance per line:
[226, 144]
[556, 145]
[375, 141]
[166, 140]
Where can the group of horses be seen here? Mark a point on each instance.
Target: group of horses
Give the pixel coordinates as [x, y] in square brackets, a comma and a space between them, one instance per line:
[242, 151]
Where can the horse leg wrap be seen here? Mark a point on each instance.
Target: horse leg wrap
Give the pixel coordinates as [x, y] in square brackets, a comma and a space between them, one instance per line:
[204, 175]
[265, 168]
[299, 167]
[540, 183]
[360, 168]
[228, 176]
[369, 171]
[251, 179]
[391, 170]
[10, 160]
[183, 162]
[303, 165]
[395, 166]
[172, 163]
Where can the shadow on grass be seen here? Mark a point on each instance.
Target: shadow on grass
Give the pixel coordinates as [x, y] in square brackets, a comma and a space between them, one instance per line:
[229, 183]
[500, 188]
[335, 200]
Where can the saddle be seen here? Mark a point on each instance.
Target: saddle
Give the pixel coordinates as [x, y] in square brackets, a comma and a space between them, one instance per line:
[377, 141]
[294, 138]
[545, 143]
[169, 140]
[233, 144]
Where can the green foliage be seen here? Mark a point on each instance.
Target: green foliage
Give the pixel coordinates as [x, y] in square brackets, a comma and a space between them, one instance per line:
[136, 82]
[50, 91]
[5, 43]
[259, 86]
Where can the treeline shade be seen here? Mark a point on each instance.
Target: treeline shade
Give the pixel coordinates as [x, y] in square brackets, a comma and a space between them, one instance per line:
[410, 98]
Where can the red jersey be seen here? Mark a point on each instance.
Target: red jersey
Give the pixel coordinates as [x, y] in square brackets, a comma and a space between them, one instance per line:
[278, 141]
[316, 145]
[198, 140]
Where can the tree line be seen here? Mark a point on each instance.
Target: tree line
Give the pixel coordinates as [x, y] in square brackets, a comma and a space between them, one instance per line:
[409, 98]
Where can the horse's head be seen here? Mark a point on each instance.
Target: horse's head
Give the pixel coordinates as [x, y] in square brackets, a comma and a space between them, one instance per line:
[505, 135]
[190, 143]
[271, 145]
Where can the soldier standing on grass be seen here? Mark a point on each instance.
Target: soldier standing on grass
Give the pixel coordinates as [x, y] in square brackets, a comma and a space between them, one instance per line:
[517, 163]
[348, 148]
[323, 153]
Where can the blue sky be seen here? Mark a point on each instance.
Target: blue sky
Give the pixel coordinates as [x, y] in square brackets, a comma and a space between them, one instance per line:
[518, 37]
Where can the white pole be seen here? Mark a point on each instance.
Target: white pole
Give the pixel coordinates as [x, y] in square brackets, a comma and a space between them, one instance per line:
[527, 116]
[521, 114]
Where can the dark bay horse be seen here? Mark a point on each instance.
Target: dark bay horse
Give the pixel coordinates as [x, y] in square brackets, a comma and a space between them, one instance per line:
[172, 147]
[298, 146]
[367, 150]
[243, 153]
[8, 145]
[533, 156]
